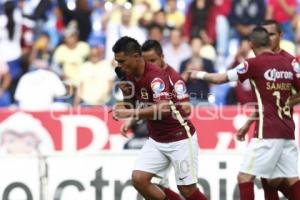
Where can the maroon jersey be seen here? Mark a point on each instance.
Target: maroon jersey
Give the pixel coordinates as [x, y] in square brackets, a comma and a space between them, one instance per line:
[177, 84]
[272, 78]
[153, 87]
[286, 55]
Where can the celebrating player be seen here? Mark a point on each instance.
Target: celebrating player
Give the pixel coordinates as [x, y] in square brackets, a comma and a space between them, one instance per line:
[152, 52]
[172, 138]
[272, 153]
[275, 34]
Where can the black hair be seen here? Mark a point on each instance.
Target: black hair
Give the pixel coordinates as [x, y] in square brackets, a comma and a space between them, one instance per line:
[155, 26]
[272, 22]
[152, 45]
[260, 37]
[9, 8]
[127, 45]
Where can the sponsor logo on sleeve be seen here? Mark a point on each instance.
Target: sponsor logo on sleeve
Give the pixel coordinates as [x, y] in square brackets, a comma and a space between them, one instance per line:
[242, 68]
[157, 85]
[296, 66]
[180, 88]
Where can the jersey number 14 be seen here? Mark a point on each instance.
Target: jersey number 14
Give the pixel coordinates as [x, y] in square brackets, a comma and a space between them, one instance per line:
[285, 110]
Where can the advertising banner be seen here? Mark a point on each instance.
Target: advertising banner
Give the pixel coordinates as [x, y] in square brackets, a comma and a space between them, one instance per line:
[79, 154]
[91, 130]
[106, 176]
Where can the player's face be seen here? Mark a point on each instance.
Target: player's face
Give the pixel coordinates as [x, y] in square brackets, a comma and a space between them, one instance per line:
[275, 36]
[128, 63]
[152, 57]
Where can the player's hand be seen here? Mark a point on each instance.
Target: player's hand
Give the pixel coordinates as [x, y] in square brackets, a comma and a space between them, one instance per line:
[242, 132]
[193, 74]
[126, 126]
[119, 111]
[126, 88]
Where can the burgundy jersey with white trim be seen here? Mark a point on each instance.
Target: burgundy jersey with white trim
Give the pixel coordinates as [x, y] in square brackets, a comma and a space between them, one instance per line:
[153, 87]
[273, 78]
[178, 85]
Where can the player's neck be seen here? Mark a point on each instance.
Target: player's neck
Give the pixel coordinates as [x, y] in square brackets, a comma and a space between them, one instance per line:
[140, 70]
[261, 50]
[164, 65]
[277, 50]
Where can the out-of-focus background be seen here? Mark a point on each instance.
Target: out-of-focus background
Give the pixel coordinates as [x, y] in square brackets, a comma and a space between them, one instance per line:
[57, 85]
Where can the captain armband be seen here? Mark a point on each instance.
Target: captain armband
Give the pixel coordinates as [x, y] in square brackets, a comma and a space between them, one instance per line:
[232, 75]
[200, 75]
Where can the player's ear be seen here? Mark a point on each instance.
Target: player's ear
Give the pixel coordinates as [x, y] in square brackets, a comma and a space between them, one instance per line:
[136, 55]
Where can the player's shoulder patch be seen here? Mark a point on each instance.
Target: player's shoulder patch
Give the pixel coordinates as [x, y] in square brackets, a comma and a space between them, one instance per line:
[242, 68]
[157, 85]
[296, 66]
[180, 87]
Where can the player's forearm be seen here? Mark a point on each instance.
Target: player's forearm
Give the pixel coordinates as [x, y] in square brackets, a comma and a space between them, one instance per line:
[251, 118]
[186, 107]
[216, 78]
[294, 100]
[153, 112]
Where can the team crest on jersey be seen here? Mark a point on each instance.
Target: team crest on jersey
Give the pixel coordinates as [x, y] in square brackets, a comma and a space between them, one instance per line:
[242, 68]
[180, 88]
[157, 85]
[144, 94]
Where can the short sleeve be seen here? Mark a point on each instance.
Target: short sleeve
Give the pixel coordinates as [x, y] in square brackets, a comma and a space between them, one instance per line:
[178, 86]
[180, 91]
[244, 71]
[296, 69]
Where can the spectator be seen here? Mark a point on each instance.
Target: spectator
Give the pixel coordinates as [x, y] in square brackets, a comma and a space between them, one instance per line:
[10, 41]
[198, 90]
[81, 14]
[115, 31]
[244, 15]
[176, 50]
[155, 32]
[41, 48]
[38, 88]
[174, 17]
[36, 11]
[196, 19]
[5, 80]
[283, 11]
[70, 56]
[218, 28]
[96, 80]
[54, 26]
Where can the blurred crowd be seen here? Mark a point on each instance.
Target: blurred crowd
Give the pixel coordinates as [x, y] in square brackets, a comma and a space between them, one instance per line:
[57, 53]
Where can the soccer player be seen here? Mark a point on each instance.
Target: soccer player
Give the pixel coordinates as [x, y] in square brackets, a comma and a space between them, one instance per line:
[172, 138]
[152, 52]
[275, 34]
[272, 153]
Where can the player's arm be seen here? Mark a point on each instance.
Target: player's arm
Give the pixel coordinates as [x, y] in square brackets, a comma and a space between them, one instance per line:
[127, 125]
[127, 89]
[215, 78]
[155, 111]
[294, 100]
[186, 107]
[245, 128]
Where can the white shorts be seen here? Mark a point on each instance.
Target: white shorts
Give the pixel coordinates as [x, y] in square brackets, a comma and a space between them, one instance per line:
[156, 158]
[271, 158]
